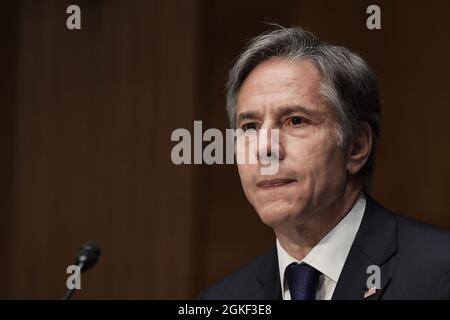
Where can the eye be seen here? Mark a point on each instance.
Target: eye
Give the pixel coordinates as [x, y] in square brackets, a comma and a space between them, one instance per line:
[249, 126]
[295, 121]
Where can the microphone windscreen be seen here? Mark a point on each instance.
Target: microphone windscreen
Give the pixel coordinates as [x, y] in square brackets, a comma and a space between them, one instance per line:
[89, 254]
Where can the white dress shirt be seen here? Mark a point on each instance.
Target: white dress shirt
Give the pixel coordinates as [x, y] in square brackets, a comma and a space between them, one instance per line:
[329, 255]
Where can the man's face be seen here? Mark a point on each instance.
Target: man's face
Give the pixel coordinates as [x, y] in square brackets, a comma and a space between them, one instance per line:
[285, 95]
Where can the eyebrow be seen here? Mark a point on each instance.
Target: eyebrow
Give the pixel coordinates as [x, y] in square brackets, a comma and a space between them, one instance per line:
[282, 112]
[248, 116]
[290, 109]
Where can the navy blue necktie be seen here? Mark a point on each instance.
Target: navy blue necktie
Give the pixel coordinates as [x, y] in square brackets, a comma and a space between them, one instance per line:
[302, 280]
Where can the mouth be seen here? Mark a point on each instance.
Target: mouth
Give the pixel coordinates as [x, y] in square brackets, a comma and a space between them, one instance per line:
[274, 183]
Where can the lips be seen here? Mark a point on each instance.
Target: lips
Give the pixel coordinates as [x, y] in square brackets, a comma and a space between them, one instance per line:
[274, 183]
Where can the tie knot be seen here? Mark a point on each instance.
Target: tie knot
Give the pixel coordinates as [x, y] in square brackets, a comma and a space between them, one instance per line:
[302, 280]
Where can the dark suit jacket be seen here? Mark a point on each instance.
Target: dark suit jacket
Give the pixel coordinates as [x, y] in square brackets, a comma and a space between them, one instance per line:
[414, 259]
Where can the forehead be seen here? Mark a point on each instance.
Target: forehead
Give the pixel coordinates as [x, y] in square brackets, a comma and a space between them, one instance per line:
[278, 82]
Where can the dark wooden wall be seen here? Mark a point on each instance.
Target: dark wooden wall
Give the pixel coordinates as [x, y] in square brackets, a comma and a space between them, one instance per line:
[86, 119]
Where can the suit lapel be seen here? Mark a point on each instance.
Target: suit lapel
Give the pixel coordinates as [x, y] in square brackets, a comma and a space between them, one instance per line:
[375, 244]
[268, 277]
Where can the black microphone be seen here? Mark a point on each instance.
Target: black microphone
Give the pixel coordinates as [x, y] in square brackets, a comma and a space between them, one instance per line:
[89, 254]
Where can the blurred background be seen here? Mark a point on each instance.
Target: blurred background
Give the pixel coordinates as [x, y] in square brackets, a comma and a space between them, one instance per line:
[86, 118]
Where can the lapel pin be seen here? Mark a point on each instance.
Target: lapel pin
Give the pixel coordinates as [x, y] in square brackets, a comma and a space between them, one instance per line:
[370, 292]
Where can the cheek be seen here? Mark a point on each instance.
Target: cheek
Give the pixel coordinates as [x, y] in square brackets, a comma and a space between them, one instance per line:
[246, 174]
[316, 159]
[330, 169]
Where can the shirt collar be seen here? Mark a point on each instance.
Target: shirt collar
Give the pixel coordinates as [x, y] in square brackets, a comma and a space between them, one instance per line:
[329, 255]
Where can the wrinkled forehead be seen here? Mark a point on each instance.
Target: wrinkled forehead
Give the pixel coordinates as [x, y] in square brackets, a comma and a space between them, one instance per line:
[281, 83]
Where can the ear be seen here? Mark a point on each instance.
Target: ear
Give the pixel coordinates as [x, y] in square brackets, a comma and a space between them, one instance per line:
[358, 150]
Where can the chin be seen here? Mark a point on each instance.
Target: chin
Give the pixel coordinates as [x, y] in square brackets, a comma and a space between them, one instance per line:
[273, 216]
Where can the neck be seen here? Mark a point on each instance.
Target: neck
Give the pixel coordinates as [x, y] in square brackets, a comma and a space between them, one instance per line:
[299, 238]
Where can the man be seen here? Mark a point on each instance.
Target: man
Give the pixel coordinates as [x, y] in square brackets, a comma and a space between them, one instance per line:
[333, 241]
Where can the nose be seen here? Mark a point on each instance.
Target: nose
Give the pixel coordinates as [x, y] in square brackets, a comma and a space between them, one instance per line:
[269, 146]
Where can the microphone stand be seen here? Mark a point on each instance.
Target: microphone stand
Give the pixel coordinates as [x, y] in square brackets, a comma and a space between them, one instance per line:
[70, 292]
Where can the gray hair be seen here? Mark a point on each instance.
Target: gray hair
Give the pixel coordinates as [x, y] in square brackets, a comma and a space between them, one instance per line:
[348, 84]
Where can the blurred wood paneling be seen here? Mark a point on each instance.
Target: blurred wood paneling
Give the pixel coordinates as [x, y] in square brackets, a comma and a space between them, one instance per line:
[95, 111]
[8, 59]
